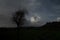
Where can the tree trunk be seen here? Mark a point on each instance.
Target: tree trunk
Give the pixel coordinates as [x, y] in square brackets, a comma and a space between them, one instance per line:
[18, 29]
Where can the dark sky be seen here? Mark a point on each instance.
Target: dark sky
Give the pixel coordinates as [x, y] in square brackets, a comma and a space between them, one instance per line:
[48, 10]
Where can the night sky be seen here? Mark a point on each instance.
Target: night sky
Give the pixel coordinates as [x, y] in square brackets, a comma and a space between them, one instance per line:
[48, 10]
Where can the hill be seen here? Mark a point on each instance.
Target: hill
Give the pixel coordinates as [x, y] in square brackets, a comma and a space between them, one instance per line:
[49, 31]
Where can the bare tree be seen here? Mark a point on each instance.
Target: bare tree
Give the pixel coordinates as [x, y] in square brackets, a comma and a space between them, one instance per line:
[19, 17]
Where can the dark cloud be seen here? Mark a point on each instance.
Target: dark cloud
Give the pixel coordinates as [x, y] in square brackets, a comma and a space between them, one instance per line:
[48, 10]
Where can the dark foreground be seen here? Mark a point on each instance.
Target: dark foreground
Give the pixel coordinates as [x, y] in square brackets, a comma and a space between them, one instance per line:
[47, 32]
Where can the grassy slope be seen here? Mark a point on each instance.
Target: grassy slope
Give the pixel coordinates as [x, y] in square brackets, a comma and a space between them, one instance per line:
[50, 31]
[47, 32]
[8, 34]
[39, 34]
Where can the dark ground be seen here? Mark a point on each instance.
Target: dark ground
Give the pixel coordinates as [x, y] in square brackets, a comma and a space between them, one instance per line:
[50, 31]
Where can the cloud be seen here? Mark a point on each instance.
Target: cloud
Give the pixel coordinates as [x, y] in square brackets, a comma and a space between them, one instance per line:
[47, 9]
[58, 18]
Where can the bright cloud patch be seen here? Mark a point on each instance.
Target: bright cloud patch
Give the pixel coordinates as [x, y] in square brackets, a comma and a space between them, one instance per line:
[58, 19]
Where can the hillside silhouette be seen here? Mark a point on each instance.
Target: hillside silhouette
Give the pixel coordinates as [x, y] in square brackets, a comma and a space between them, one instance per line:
[49, 31]
[52, 24]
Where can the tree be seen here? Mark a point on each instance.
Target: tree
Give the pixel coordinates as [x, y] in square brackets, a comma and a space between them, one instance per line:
[19, 17]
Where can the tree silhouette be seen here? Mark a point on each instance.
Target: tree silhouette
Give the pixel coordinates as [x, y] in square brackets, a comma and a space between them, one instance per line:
[19, 19]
